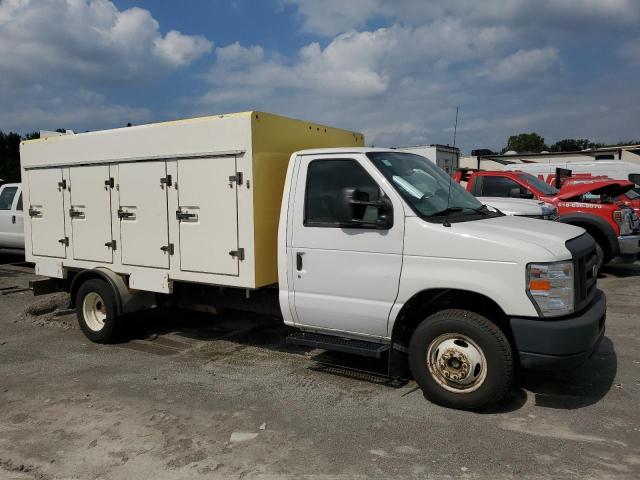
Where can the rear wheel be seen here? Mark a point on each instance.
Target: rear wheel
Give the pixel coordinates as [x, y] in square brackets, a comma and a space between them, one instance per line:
[461, 360]
[96, 311]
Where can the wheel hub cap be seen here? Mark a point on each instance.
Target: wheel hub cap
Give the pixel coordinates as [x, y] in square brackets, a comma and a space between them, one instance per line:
[94, 311]
[456, 362]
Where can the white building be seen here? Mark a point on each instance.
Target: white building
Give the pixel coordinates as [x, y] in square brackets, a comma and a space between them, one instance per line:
[446, 157]
[627, 153]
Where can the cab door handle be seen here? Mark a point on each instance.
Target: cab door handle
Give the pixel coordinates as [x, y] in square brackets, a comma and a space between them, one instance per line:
[299, 261]
[13, 219]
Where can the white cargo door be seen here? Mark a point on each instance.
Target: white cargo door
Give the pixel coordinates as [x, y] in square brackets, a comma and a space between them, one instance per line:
[208, 215]
[142, 210]
[90, 213]
[46, 213]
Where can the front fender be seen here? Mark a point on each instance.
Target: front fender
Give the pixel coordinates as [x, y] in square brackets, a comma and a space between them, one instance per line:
[502, 282]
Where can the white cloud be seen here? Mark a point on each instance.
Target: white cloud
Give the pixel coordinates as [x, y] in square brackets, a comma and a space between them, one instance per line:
[87, 42]
[55, 54]
[181, 49]
[524, 66]
[331, 17]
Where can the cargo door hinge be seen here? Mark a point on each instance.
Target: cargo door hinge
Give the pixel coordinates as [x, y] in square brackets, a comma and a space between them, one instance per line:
[237, 178]
[62, 185]
[109, 183]
[111, 244]
[168, 249]
[64, 241]
[166, 181]
[239, 254]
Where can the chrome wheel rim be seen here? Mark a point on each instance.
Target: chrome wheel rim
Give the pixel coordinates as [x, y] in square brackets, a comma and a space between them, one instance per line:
[457, 363]
[94, 311]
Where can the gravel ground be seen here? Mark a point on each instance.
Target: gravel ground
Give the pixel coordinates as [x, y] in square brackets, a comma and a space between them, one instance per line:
[187, 396]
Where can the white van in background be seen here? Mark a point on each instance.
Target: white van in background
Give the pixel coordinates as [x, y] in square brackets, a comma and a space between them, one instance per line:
[614, 169]
[11, 221]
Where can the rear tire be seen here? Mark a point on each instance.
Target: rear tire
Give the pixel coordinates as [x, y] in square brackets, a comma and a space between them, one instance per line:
[461, 360]
[96, 311]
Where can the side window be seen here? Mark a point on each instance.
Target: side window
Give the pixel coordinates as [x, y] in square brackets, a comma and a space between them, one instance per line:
[326, 181]
[476, 188]
[498, 186]
[6, 197]
[19, 205]
[635, 178]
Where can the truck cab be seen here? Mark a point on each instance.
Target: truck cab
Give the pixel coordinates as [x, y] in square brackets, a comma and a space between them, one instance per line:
[590, 205]
[383, 247]
[11, 219]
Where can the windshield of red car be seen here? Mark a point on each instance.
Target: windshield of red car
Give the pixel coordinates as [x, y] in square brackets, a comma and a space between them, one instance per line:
[540, 185]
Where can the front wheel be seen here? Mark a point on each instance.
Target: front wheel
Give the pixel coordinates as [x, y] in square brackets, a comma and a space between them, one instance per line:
[461, 360]
[96, 311]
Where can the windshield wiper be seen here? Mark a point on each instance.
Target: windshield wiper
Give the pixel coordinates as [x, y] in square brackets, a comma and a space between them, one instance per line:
[446, 211]
[483, 210]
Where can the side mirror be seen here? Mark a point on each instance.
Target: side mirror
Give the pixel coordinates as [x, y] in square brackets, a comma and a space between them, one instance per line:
[352, 210]
[518, 192]
[514, 192]
[526, 194]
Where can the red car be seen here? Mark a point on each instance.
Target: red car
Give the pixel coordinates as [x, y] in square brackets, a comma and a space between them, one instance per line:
[588, 204]
[630, 198]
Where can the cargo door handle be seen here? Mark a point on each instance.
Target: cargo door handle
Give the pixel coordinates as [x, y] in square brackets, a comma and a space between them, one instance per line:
[123, 215]
[73, 213]
[34, 213]
[299, 261]
[180, 215]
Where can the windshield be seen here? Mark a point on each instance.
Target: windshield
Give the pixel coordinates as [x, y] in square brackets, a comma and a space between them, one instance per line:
[423, 184]
[632, 195]
[538, 184]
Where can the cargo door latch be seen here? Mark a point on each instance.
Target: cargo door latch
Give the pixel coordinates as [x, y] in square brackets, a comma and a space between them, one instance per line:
[168, 249]
[168, 181]
[237, 178]
[239, 254]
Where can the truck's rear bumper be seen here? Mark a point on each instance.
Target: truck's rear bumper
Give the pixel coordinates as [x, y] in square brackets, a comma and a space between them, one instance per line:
[545, 344]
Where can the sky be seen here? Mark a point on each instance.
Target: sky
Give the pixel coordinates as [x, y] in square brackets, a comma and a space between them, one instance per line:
[393, 69]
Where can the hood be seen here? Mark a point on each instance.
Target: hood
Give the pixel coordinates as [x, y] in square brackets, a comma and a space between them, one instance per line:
[612, 188]
[500, 239]
[514, 206]
[550, 236]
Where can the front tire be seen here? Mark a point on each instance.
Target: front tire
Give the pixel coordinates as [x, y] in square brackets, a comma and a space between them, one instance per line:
[96, 311]
[461, 360]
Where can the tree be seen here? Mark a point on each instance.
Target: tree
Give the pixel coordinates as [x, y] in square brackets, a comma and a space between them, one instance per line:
[525, 143]
[573, 145]
[10, 156]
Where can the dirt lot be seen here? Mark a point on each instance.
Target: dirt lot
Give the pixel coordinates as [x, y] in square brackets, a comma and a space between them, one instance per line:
[191, 396]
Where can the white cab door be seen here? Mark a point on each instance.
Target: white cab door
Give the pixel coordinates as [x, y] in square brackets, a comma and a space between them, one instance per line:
[142, 212]
[46, 212]
[208, 215]
[345, 279]
[11, 226]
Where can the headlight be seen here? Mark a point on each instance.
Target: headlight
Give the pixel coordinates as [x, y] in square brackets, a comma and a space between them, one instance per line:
[627, 220]
[549, 211]
[550, 286]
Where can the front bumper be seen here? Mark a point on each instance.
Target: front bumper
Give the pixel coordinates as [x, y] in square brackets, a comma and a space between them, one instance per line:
[629, 244]
[545, 344]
